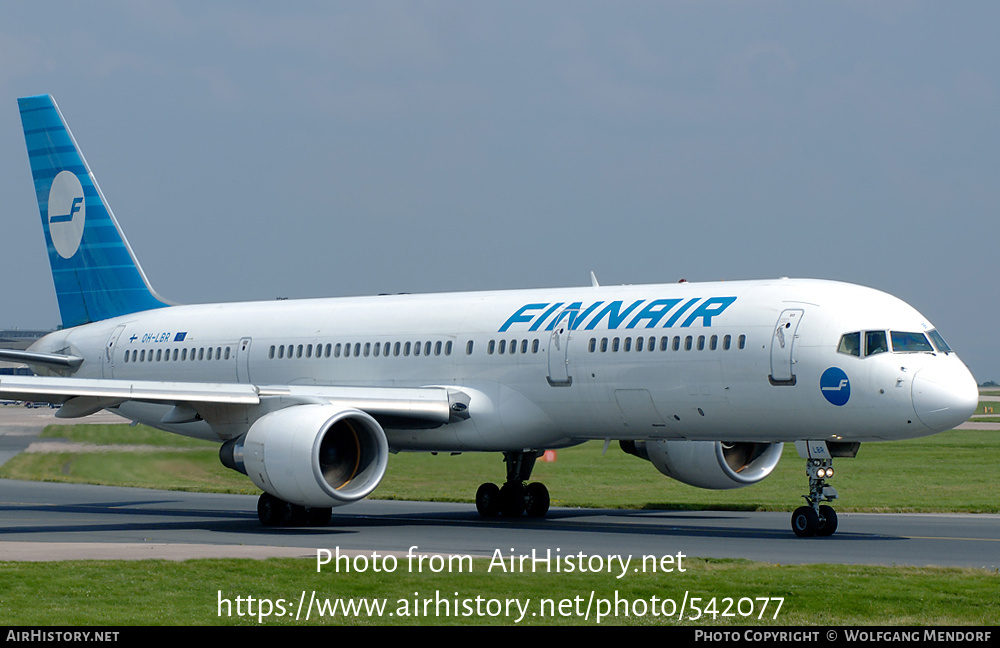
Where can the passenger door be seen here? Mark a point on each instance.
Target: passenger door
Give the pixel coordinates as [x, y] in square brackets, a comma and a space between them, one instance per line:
[783, 347]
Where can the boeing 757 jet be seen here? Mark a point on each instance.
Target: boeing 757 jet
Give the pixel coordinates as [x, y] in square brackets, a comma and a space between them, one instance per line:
[706, 381]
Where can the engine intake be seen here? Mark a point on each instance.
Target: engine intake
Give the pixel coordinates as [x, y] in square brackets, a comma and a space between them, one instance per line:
[312, 455]
[716, 465]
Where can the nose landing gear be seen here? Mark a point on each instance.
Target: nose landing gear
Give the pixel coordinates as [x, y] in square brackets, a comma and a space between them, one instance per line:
[816, 519]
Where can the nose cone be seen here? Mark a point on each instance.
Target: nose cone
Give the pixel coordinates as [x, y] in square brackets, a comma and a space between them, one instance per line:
[945, 395]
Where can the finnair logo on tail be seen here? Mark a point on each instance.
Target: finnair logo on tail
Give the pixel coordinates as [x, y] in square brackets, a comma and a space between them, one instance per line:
[835, 386]
[67, 213]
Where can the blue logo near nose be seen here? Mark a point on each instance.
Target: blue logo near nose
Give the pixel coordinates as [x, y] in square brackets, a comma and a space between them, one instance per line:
[835, 386]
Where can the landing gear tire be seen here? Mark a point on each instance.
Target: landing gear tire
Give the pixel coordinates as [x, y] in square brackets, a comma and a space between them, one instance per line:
[276, 512]
[512, 499]
[488, 500]
[828, 521]
[273, 512]
[318, 516]
[536, 500]
[805, 522]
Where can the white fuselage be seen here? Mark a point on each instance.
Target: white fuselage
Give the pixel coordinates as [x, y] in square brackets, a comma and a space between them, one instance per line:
[730, 361]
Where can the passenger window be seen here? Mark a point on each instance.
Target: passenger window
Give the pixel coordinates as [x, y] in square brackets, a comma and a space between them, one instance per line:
[468, 347]
[875, 342]
[850, 344]
[743, 341]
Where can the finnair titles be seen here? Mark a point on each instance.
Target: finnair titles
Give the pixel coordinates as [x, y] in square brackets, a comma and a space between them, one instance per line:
[615, 314]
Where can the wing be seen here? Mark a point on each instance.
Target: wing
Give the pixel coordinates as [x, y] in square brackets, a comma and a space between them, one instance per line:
[407, 406]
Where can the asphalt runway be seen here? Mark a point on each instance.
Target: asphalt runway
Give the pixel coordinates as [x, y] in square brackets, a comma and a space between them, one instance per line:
[45, 521]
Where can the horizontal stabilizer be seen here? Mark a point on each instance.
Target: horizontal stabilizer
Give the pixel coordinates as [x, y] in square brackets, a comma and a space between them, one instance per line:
[34, 358]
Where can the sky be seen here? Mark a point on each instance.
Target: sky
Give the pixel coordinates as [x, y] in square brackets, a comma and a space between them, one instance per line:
[253, 150]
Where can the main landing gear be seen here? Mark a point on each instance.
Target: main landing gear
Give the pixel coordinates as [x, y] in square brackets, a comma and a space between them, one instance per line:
[816, 519]
[273, 511]
[515, 496]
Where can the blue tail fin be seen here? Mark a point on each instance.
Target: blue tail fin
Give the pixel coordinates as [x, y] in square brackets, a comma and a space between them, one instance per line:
[94, 270]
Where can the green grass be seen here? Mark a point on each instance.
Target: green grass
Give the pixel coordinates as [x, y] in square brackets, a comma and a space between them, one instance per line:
[988, 407]
[945, 472]
[188, 593]
[952, 471]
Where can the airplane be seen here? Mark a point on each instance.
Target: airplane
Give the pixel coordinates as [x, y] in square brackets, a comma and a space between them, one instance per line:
[706, 381]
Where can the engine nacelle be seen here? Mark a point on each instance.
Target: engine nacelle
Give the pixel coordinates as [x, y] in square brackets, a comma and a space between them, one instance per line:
[709, 464]
[315, 455]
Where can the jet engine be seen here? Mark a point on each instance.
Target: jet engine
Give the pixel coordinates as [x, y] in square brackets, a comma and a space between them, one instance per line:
[709, 464]
[312, 455]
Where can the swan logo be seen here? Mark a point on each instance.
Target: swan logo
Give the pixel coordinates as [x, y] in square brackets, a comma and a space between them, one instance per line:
[835, 386]
[67, 213]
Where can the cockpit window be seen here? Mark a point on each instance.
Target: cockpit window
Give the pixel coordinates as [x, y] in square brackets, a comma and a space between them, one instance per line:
[875, 342]
[850, 343]
[939, 342]
[903, 342]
